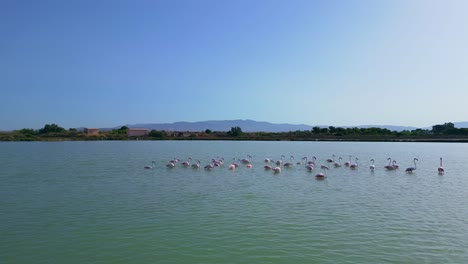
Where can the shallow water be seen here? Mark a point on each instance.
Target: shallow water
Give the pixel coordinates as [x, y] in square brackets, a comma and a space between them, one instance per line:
[92, 202]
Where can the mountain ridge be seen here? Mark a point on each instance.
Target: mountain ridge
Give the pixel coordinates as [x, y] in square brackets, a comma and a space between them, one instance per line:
[248, 125]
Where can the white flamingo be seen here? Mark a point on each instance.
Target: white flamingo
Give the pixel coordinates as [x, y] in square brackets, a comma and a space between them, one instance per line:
[441, 168]
[372, 166]
[170, 165]
[332, 159]
[411, 169]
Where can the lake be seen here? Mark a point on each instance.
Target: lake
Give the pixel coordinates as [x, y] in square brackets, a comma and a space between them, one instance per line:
[93, 202]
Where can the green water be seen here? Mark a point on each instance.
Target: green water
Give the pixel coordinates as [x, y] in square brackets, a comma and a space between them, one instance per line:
[92, 202]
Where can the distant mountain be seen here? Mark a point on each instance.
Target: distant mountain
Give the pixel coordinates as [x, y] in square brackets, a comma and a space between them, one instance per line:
[224, 125]
[246, 126]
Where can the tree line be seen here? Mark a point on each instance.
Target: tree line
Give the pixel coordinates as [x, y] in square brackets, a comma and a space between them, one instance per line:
[55, 132]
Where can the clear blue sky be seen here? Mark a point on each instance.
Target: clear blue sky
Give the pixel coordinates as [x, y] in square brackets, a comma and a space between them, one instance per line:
[108, 63]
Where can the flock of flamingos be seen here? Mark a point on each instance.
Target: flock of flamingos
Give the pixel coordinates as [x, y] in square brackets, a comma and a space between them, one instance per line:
[275, 166]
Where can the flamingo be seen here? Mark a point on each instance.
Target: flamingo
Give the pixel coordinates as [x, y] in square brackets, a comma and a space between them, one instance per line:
[395, 164]
[232, 167]
[267, 160]
[196, 165]
[337, 163]
[187, 163]
[248, 160]
[209, 166]
[248, 166]
[372, 166]
[289, 164]
[175, 160]
[170, 165]
[278, 162]
[330, 160]
[150, 167]
[347, 163]
[313, 160]
[277, 170]
[441, 168]
[321, 175]
[220, 161]
[354, 165]
[411, 169]
[389, 167]
[267, 167]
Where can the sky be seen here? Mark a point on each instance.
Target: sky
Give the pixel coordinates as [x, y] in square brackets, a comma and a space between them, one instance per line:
[87, 63]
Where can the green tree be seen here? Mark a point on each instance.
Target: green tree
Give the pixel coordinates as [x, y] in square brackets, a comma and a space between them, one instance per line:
[27, 131]
[316, 130]
[235, 131]
[155, 134]
[208, 131]
[51, 128]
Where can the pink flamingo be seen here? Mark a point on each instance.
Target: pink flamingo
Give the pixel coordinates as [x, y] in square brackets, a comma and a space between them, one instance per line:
[232, 167]
[196, 165]
[411, 169]
[441, 168]
[337, 163]
[209, 166]
[277, 170]
[330, 160]
[248, 160]
[248, 166]
[321, 175]
[389, 167]
[187, 163]
[289, 164]
[347, 163]
[278, 162]
[354, 165]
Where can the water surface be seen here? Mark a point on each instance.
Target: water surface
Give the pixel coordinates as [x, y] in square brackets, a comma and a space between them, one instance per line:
[92, 202]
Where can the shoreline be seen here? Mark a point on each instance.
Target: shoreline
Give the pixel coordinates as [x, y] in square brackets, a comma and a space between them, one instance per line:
[422, 140]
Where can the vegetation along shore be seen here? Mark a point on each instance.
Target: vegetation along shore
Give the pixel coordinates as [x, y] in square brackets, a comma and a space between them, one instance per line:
[446, 132]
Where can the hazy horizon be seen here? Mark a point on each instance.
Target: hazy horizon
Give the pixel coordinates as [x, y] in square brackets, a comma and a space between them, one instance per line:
[338, 63]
